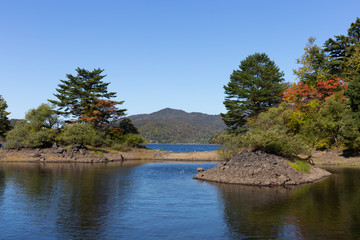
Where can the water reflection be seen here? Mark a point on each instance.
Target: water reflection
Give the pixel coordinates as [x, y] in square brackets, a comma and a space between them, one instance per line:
[74, 200]
[2, 185]
[85, 201]
[253, 211]
[152, 201]
[326, 209]
[112, 201]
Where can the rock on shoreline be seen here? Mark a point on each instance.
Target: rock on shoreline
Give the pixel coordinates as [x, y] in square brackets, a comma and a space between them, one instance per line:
[258, 168]
[57, 154]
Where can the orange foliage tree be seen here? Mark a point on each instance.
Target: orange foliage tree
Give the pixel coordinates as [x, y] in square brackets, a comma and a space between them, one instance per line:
[301, 94]
[101, 112]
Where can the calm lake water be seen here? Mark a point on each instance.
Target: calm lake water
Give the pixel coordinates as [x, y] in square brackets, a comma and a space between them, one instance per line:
[184, 147]
[162, 201]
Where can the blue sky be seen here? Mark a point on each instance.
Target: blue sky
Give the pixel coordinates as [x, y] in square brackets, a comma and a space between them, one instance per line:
[156, 54]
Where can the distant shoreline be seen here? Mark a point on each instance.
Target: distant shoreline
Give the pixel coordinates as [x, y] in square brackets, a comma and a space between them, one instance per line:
[52, 155]
[320, 158]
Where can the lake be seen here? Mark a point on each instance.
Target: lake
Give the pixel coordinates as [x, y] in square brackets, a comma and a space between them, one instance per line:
[184, 147]
[145, 200]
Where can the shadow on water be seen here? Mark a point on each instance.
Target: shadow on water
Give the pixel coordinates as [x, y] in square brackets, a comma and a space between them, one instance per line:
[326, 209]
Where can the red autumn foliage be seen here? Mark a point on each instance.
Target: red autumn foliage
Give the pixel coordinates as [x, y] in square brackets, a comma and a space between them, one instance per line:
[301, 93]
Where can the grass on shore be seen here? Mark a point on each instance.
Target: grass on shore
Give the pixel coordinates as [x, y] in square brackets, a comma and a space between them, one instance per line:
[300, 165]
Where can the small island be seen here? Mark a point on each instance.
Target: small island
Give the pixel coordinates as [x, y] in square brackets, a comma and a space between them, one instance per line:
[262, 169]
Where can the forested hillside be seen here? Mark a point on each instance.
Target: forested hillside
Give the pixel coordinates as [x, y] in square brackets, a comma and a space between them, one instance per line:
[176, 126]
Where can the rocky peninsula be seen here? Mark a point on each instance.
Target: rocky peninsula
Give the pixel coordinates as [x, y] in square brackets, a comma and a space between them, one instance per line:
[259, 168]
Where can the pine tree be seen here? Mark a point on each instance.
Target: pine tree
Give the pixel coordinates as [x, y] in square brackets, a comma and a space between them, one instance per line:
[255, 87]
[4, 121]
[341, 50]
[77, 93]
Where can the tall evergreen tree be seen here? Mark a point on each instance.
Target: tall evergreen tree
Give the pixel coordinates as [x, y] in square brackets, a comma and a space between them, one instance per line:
[255, 87]
[340, 51]
[4, 121]
[77, 93]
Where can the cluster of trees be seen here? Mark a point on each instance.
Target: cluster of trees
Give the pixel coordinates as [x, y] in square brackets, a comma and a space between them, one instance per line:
[321, 111]
[4, 120]
[94, 119]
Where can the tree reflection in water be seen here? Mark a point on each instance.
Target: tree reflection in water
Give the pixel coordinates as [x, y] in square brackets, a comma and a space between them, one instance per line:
[327, 209]
[78, 196]
[83, 201]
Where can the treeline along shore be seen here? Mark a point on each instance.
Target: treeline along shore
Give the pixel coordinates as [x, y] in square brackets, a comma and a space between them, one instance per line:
[81, 154]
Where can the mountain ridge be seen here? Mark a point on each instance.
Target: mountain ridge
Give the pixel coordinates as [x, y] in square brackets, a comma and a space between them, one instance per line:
[177, 126]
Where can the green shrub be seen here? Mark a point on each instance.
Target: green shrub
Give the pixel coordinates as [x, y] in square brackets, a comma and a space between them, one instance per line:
[227, 154]
[99, 139]
[23, 136]
[36, 131]
[122, 147]
[43, 138]
[349, 131]
[333, 125]
[328, 122]
[276, 141]
[220, 138]
[82, 134]
[230, 147]
[133, 140]
[270, 133]
[16, 137]
[76, 134]
[124, 142]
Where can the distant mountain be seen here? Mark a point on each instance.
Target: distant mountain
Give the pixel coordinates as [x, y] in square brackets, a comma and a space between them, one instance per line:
[177, 126]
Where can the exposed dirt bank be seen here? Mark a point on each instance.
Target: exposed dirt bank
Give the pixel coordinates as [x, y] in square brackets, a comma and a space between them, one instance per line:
[80, 154]
[258, 168]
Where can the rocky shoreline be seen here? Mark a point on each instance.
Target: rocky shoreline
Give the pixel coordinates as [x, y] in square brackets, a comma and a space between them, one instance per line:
[80, 154]
[247, 168]
[261, 169]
